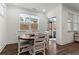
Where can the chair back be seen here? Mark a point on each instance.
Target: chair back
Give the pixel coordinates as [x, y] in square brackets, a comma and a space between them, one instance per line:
[39, 42]
[39, 37]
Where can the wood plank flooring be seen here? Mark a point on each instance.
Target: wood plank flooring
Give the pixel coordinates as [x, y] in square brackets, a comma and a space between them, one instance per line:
[54, 49]
[69, 49]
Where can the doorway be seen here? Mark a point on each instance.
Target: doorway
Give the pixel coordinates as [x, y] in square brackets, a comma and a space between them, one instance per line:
[52, 28]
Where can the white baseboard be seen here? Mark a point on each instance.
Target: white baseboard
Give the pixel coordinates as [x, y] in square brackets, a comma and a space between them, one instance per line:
[2, 48]
[12, 42]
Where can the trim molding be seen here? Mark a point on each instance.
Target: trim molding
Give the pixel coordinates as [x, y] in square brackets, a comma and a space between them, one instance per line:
[1, 49]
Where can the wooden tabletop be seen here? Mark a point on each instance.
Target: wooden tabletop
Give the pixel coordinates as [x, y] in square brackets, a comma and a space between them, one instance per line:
[28, 37]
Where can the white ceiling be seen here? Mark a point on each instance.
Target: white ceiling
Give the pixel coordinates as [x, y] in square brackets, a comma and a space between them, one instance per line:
[45, 6]
[37, 6]
[73, 6]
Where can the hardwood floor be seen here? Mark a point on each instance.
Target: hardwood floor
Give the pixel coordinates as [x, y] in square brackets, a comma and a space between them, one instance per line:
[69, 49]
[54, 49]
[11, 49]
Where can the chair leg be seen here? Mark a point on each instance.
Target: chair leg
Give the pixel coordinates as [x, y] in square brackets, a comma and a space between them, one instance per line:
[18, 47]
[18, 51]
[34, 53]
[30, 51]
[44, 52]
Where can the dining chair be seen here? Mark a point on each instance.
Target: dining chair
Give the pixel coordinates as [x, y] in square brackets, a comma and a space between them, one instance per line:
[23, 45]
[39, 44]
[46, 39]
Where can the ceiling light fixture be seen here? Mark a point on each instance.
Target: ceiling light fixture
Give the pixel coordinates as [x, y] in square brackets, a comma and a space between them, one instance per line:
[15, 3]
[44, 10]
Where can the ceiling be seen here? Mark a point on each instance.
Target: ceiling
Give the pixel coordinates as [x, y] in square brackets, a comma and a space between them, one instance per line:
[43, 7]
[73, 6]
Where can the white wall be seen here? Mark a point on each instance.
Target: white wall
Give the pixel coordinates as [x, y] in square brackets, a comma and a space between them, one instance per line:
[13, 22]
[2, 31]
[57, 11]
[43, 22]
[67, 37]
[62, 34]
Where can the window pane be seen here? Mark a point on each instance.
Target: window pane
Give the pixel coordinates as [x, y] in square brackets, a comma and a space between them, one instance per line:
[34, 26]
[75, 27]
[70, 16]
[69, 20]
[78, 18]
[75, 19]
[69, 27]
[54, 19]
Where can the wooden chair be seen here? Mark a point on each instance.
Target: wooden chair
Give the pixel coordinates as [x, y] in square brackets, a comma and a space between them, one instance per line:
[46, 39]
[23, 45]
[39, 44]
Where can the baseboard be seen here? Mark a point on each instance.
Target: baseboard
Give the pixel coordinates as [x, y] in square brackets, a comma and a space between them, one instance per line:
[1, 49]
[11, 43]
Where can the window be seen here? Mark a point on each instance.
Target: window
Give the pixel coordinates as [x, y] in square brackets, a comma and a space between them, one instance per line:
[70, 21]
[24, 22]
[73, 21]
[34, 23]
[75, 28]
[28, 22]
